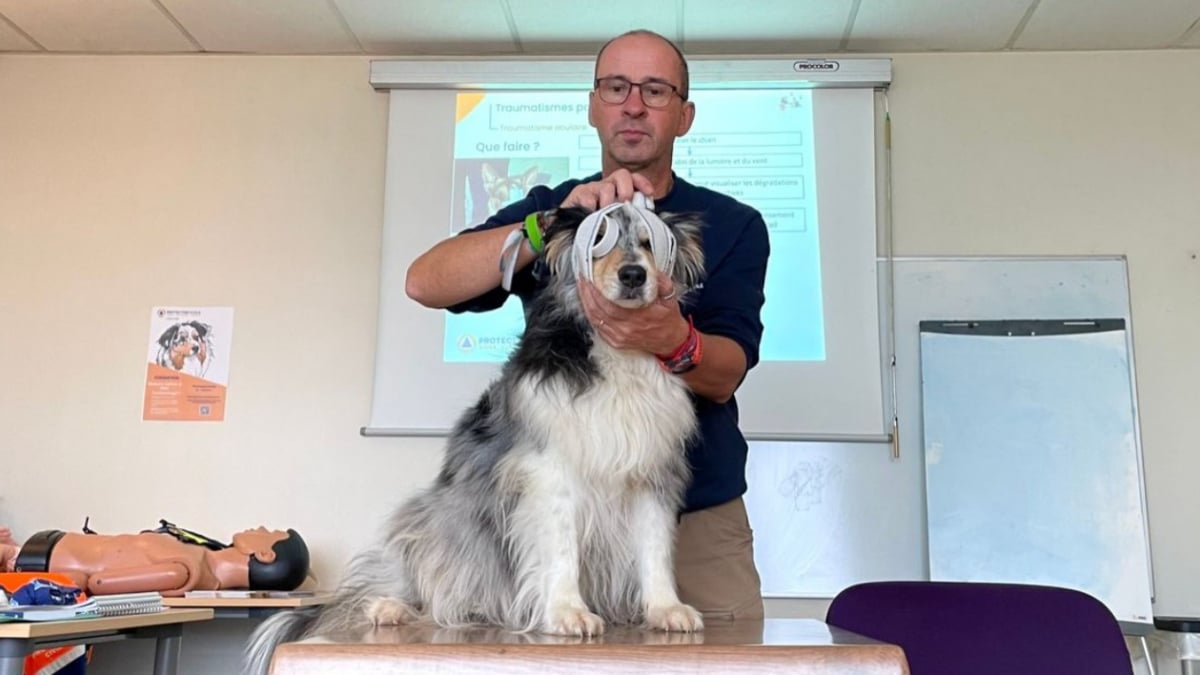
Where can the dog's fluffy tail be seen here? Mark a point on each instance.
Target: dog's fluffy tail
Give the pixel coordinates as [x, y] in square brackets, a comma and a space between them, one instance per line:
[343, 614]
[367, 578]
[277, 629]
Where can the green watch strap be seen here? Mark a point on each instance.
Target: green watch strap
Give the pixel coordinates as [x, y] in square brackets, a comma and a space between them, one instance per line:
[533, 231]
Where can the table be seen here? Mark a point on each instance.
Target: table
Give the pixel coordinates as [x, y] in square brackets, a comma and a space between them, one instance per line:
[770, 646]
[1187, 629]
[19, 638]
[234, 608]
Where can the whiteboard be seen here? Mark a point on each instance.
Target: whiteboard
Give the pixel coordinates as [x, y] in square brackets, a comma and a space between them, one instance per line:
[829, 515]
[1032, 471]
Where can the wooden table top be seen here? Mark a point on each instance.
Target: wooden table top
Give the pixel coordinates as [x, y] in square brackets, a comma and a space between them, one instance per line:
[104, 624]
[772, 646]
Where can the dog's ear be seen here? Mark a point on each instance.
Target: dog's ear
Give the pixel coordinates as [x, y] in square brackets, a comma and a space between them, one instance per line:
[490, 175]
[689, 248]
[529, 178]
[168, 336]
[202, 328]
[558, 231]
[557, 222]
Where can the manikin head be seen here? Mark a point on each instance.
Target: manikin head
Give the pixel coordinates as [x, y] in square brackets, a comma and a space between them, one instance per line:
[279, 560]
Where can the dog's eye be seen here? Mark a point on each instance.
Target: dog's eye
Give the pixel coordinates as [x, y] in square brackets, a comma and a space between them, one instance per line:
[599, 234]
[644, 243]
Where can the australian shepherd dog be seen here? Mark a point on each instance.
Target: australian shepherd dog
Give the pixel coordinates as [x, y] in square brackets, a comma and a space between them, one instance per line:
[556, 505]
[186, 347]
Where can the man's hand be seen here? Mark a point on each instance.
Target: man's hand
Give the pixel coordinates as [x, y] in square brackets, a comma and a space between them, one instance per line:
[618, 186]
[8, 557]
[8, 550]
[658, 328]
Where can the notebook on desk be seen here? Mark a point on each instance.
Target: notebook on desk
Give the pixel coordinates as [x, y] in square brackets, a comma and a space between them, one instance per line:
[121, 604]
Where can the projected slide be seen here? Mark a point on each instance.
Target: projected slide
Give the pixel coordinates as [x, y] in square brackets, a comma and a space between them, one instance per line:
[756, 146]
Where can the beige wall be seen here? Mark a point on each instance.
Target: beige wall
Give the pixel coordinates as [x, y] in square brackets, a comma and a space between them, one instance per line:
[257, 182]
[1078, 154]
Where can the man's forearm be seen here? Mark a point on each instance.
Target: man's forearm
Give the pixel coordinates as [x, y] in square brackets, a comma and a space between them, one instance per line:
[460, 268]
[720, 370]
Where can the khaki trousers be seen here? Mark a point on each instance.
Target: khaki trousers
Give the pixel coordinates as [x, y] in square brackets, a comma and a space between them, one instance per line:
[714, 562]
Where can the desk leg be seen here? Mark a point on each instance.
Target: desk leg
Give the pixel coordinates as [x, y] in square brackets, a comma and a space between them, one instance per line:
[166, 654]
[12, 656]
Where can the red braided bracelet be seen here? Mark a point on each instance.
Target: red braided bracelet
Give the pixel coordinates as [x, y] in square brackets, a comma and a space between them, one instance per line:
[687, 355]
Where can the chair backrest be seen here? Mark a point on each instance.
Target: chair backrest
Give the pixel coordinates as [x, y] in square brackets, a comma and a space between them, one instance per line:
[986, 628]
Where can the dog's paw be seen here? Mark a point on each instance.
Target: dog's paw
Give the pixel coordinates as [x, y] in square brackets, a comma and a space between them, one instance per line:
[573, 621]
[679, 618]
[390, 612]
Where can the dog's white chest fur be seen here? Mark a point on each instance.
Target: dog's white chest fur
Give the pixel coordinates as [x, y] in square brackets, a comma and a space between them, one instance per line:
[632, 420]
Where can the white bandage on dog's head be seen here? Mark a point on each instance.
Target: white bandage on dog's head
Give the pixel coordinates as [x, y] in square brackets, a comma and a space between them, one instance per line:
[586, 248]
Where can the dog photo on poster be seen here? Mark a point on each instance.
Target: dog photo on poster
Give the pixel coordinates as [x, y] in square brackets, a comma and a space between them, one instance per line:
[187, 370]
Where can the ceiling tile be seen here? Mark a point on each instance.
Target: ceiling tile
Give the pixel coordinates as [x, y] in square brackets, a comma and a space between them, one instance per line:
[773, 27]
[1107, 24]
[263, 26]
[97, 25]
[11, 40]
[486, 27]
[415, 27]
[544, 28]
[935, 25]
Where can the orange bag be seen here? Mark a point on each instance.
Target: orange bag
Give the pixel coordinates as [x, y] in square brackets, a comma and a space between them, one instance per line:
[43, 661]
[11, 581]
[49, 661]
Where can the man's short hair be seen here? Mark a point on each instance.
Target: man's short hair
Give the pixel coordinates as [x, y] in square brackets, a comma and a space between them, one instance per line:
[683, 65]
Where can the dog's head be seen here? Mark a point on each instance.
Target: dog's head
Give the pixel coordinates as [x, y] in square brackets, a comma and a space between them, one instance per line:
[190, 337]
[626, 274]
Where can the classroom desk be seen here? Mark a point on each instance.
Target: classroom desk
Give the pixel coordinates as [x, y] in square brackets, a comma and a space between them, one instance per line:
[19, 638]
[241, 608]
[771, 646]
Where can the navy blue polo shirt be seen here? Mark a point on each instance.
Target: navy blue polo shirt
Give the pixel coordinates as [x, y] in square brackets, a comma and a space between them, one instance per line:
[729, 304]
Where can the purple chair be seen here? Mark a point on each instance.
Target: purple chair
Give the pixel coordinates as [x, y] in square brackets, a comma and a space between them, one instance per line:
[951, 628]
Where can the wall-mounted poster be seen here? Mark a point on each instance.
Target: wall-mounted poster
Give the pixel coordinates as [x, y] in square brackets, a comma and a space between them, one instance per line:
[187, 370]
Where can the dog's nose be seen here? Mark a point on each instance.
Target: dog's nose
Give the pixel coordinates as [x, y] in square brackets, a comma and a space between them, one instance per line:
[632, 276]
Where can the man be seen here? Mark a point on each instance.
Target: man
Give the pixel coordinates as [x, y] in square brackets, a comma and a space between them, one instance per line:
[639, 107]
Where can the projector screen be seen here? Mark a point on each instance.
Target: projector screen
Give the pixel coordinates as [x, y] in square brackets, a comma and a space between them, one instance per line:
[753, 145]
[802, 156]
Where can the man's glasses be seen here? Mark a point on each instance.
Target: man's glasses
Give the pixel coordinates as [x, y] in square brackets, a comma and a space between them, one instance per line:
[655, 93]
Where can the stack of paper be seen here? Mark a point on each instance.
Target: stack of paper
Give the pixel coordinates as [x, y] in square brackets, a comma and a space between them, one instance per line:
[248, 594]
